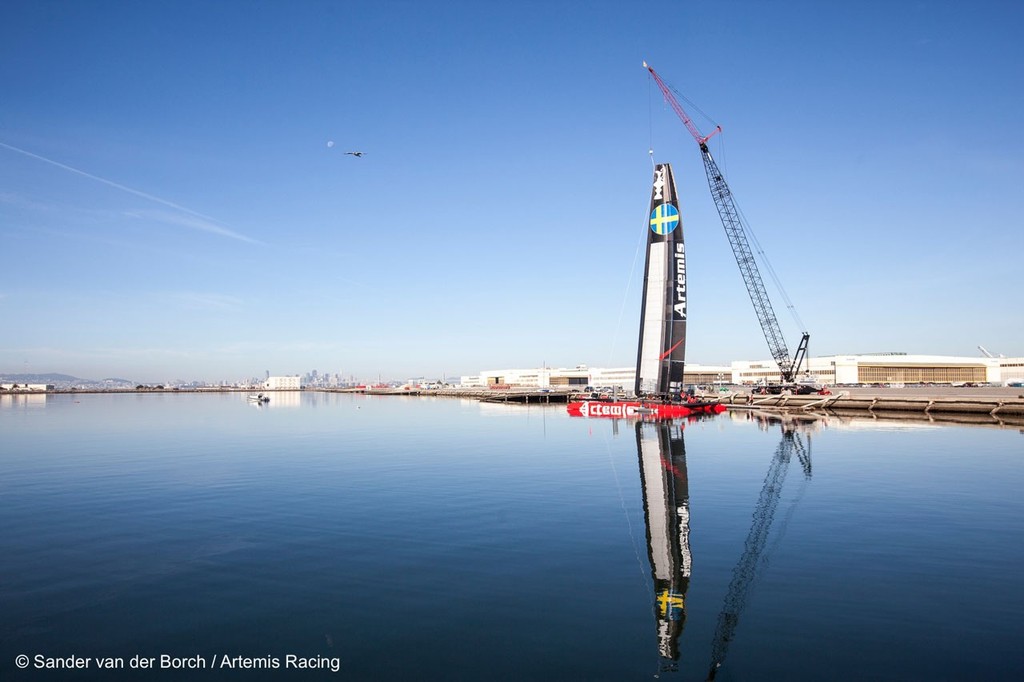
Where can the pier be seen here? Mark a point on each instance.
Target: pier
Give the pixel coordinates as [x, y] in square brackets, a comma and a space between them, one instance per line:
[989, 405]
[522, 396]
[937, 403]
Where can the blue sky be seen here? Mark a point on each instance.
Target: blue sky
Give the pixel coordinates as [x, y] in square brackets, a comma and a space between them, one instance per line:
[170, 207]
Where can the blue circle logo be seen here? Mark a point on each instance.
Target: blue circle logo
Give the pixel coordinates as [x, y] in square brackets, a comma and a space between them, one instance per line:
[664, 218]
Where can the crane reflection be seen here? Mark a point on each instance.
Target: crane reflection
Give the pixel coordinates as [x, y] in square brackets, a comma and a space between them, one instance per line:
[745, 572]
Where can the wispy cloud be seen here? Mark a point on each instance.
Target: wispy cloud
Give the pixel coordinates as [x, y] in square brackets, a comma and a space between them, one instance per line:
[205, 301]
[49, 354]
[19, 201]
[211, 224]
[123, 352]
[272, 346]
[191, 222]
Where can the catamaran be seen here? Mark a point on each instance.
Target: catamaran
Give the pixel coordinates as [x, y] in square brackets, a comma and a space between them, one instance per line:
[662, 344]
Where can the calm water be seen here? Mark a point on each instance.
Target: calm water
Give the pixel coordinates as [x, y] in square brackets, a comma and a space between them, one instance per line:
[421, 539]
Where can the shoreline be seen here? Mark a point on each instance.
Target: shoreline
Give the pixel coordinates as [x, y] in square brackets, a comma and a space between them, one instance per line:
[976, 405]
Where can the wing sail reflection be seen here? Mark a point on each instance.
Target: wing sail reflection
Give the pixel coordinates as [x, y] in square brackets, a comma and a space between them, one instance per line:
[666, 496]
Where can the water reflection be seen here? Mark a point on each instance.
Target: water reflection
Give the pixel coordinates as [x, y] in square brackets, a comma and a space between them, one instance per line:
[666, 497]
[340, 517]
[751, 560]
[22, 400]
[817, 420]
[279, 399]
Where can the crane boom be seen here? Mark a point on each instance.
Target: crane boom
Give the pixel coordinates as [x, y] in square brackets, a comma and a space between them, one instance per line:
[734, 230]
[680, 112]
[727, 211]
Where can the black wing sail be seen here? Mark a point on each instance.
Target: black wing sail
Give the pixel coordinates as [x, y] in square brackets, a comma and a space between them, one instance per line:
[662, 345]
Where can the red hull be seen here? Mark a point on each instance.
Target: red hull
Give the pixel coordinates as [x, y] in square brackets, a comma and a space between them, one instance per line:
[618, 409]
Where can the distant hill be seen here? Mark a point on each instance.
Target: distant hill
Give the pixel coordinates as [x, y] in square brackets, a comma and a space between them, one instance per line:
[64, 381]
[41, 378]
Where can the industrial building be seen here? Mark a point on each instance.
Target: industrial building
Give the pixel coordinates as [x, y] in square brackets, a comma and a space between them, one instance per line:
[26, 387]
[876, 368]
[890, 368]
[581, 376]
[282, 383]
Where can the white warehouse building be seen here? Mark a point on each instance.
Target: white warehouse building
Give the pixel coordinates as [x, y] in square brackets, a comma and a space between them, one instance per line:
[282, 383]
[887, 368]
[581, 376]
[873, 368]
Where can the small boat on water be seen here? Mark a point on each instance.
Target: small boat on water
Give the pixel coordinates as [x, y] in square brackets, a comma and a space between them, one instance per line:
[258, 398]
[662, 344]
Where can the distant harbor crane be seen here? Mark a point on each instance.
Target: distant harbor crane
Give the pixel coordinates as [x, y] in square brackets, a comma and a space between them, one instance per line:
[985, 352]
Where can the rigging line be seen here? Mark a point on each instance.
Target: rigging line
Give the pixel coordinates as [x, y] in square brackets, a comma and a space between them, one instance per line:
[650, 117]
[771, 270]
[643, 232]
[722, 157]
[622, 502]
[632, 269]
[691, 106]
[745, 224]
[784, 526]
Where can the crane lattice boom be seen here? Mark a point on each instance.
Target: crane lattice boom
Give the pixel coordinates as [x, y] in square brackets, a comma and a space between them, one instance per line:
[730, 216]
[734, 230]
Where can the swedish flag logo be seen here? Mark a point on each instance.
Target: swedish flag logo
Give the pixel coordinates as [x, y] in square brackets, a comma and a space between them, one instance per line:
[664, 218]
[671, 604]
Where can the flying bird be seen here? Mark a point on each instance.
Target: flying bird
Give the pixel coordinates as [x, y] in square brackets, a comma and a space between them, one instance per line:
[356, 153]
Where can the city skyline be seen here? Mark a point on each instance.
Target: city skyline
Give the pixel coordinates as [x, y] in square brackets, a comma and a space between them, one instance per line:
[170, 212]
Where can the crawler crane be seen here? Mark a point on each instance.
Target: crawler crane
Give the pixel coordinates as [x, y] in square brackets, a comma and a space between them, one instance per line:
[789, 367]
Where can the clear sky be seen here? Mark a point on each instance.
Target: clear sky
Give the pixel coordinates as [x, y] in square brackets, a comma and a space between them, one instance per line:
[170, 207]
